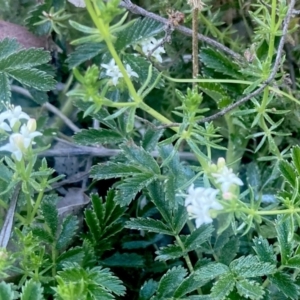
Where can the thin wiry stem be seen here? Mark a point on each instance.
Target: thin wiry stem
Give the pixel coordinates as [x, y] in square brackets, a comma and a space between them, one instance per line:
[271, 76]
[184, 30]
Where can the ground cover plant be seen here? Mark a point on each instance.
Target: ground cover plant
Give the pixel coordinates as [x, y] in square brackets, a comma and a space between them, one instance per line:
[149, 150]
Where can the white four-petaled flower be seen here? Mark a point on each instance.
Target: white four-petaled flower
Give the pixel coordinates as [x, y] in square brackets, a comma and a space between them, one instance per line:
[13, 115]
[226, 178]
[113, 71]
[149, 44]
[199, 202]
[20, 141]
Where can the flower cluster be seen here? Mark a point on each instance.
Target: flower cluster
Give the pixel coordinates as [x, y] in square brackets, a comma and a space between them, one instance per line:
[113, 71]
[226, 179]
[148, 45]
[199, 202]
[21, 136]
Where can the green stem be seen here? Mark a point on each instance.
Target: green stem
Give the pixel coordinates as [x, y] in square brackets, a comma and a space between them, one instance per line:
[36, 205]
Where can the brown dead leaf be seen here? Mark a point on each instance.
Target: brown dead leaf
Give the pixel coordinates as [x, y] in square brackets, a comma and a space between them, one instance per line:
[22, 35]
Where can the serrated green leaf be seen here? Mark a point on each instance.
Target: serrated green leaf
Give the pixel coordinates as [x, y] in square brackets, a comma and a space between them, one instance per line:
[93, 223]
[69, 227]
[139, 156]
[284, 239]
[151, 138]
[5, 92]
[43, 235]
[113, 170]
[218, 62]
[83, 53]
[296, 158]
[294, 262]
[217, 92]
[249, 289]
[124, 260]
[170, 281]
[157, 196]
[223, 287]
[72, 255]
[93, 137]
[140, 65]
[130, 187]
[139, 30]
[24, 59]
[288, 171]
[179, 217]
[198, 237]
[169, 252]
[188, 285]
[264, 251]
[211, 271]
[50, 216]
[285, 284]
[228, 252]
[8, 46]
[35, 78]
[250, 266]
[32, 290]
[148, 289]
[6, 292]
[253, 176]
[149, 225]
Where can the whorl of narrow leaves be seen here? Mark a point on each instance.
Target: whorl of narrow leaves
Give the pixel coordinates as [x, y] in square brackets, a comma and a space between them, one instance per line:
[21, 65]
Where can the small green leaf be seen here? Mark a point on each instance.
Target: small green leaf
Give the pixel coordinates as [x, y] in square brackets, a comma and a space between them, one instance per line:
[140, 65]
[95, 137]
[149, 225]
[32, 290]
[219, 63]
[198, 237]
[250, 289]
[68, 230]
[83, 53]
[124, 260]
[35, 78]
[151, 138]
[170, 252]
[113, 170]
[130, 187]
[211, 271]
[50, 216]
[141, 29]
[139, 156]
[264, 251]
[296, 158]
[170, 281]
[5, 92]
[223, 287]
[6, 292]
[250, 266]
[285, 284]
[284, 239]
[148, 289]
[288, 171]
[228, 252]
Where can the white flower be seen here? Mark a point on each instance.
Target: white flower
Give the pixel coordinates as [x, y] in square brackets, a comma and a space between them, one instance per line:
[4, 125]
[226, 178]
[13, 115]
[198, 203]
[149, 44]
[130, 72]
[28, 132]
[16, 146]
[113, 71]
